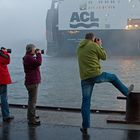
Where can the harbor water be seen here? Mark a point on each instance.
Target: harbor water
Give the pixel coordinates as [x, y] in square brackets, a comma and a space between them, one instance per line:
[60, 84]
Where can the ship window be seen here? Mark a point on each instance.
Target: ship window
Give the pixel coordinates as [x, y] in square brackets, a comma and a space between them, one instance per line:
[90, 2]
[106, 1]
[100, 1]
[112, 1]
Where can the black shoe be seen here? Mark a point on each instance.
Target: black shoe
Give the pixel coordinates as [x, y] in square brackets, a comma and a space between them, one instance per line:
[37, 117]
[84, 131]
[34, 123]
[8, 119]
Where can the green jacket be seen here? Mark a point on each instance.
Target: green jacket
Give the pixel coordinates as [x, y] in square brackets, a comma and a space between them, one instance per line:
[89, 55]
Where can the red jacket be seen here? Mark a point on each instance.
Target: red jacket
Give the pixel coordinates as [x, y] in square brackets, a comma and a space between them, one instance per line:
[4, 73]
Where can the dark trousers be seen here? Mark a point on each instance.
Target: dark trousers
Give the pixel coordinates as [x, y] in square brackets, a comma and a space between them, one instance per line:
[32, 93]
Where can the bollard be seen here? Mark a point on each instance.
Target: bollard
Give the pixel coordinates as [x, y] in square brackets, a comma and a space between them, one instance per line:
[132, 115]
[133, 107]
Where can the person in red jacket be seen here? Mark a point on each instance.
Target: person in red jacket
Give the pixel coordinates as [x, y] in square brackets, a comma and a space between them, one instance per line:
[31, 62]
[5, 79]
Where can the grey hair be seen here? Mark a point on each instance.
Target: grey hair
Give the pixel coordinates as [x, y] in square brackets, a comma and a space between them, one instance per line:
[29, 47]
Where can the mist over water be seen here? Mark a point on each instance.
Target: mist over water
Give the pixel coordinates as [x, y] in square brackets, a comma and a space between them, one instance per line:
[120, 42]
[61, 83]
[60, 75]
[24, 22]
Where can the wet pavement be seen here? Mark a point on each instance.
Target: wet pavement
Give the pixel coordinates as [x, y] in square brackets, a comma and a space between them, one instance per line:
[60, 132]
[65, 126]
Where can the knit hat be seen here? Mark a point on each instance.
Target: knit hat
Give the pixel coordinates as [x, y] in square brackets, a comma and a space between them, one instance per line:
[29, 47]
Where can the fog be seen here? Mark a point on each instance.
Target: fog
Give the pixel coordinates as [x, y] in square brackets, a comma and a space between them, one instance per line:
[23, 21]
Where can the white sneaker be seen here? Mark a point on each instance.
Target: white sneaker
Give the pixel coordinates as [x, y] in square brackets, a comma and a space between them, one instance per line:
[130, 88]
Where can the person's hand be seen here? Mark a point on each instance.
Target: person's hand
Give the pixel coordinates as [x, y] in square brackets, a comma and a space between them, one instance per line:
[38, 51]
[99, 42]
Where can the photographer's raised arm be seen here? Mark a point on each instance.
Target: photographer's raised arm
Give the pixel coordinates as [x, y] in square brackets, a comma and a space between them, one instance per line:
[101, 53]
[38, 61]
[31, 61]
[5, 57]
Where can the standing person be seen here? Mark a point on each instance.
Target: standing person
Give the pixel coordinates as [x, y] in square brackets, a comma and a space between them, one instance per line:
[31, 62]
[5, 79]
[89, 55]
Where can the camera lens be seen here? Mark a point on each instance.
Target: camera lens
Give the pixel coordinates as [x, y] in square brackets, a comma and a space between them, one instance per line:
[9, 50]
[42, 51]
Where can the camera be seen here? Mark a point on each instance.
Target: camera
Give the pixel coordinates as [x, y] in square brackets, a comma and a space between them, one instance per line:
[96, 40]
[8, 50]
[42, 51]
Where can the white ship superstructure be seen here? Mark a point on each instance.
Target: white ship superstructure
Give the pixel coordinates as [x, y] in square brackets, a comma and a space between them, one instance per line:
[115, 20]
[97, 14]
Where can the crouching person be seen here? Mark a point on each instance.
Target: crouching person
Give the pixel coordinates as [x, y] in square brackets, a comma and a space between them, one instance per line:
[5, 79]
[31, 62]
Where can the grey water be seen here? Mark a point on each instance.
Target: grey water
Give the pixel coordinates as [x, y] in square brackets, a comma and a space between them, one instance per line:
[60, 84]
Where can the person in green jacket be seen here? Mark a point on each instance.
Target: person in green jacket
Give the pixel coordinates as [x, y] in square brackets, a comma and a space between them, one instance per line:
[89, 53]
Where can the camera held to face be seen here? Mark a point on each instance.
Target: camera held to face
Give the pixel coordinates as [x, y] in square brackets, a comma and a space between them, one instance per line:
[96, 40]
[42, 51]
[8, 50]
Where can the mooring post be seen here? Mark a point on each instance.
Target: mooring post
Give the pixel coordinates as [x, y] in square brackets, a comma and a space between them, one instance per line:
[133, 107]
[132, 115]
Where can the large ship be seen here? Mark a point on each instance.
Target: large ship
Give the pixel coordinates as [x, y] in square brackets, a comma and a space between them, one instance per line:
[117, 22]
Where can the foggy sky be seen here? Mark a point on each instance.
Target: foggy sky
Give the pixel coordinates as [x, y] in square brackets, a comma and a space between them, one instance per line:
[22, 19]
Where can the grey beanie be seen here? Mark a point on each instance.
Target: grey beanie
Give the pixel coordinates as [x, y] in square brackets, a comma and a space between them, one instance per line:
[29, 47]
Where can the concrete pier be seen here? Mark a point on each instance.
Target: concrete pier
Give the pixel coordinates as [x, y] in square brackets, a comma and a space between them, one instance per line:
[58, 125]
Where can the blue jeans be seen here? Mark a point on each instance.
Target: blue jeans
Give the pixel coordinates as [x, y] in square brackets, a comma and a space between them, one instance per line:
[87, 87]
[4, 101]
